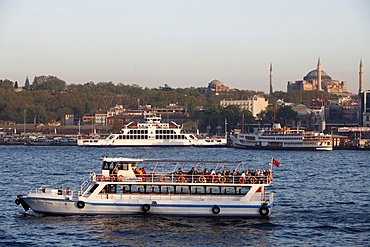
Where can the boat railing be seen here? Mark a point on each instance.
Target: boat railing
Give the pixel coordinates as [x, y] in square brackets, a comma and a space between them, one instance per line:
[54, 192]
[188, 178]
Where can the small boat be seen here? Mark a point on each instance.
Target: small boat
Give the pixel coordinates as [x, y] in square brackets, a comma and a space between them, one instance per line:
[279, 138]
[126, 186]
[152, 133]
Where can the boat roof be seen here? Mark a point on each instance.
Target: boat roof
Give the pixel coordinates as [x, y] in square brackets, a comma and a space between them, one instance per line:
[123, 159]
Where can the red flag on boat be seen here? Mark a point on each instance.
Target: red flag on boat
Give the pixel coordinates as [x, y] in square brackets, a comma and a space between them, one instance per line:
[275, 162]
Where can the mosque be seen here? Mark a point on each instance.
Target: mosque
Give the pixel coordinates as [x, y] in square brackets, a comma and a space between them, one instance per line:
[318, 80]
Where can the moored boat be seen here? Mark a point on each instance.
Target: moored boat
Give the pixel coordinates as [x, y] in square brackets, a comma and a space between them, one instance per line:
[279, 138]
[128, 186]
[152, 132]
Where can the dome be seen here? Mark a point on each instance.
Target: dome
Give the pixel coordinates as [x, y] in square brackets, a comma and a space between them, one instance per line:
[215, 83]
[312, 75]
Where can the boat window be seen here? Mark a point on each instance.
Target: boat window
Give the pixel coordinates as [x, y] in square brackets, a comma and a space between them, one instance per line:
[93, 188]
[105, 165]
[137, 188]
[153, 189]
[182, 189]
[167, 190]
[104, 190]
[123, 166]
[198, 190]
[124, 189]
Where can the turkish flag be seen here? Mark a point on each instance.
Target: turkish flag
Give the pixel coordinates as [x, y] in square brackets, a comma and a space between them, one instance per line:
[275, 162]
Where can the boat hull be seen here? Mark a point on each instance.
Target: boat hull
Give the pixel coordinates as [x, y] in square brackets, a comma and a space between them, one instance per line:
[303, 148]
[186, 143]
[210, 208]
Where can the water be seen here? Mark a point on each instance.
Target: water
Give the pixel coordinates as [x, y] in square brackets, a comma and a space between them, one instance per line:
[321, 199]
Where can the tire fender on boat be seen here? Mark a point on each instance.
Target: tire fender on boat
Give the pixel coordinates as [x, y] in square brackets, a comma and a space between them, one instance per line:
[80, 204]
[202, 179]
[17, 201]
[146, 208]
[162, 178]
[253, 180]
[182, 179]
[264, 211]
[216, 209]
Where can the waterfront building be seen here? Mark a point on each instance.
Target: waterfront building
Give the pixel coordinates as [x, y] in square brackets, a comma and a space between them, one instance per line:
[255, 104]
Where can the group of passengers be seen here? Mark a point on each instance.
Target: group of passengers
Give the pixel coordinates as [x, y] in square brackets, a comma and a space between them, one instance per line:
[214, 175]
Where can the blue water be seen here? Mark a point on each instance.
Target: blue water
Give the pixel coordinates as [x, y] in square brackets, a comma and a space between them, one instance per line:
[321, 199]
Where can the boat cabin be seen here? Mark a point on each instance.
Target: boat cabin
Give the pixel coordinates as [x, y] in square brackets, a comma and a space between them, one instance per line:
[120, 168]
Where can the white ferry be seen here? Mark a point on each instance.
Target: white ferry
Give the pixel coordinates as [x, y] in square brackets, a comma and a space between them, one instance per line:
[152, 132]
[171, 188]
[283, 138]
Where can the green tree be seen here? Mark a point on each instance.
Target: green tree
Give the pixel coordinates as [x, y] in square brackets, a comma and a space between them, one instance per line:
[50, 83]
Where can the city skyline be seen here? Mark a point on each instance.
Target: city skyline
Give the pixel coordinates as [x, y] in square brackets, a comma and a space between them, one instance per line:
[185, 44]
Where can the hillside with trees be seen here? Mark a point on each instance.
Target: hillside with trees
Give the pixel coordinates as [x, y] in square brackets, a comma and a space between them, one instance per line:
[48, 98]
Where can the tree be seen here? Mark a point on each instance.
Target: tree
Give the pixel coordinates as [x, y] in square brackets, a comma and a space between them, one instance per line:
[50, 83]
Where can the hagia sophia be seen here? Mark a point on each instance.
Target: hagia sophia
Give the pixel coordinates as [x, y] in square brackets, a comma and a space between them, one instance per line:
[318, 80]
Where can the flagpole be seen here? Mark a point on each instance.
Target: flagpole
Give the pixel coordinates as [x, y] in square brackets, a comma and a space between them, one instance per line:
[272, 158]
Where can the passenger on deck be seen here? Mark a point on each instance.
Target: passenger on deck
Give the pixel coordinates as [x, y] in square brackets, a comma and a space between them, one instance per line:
[192, 171]
[179, 172]
[143, 171]
[243, 174]
[136, 171]
[115, 170]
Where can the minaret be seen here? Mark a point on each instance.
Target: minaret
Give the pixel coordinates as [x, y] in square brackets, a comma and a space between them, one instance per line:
[271, 90]
[361, 98]
[361, 78]
[319, 88]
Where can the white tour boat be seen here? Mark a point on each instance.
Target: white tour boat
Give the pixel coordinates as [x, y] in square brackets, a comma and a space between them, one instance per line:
[283, 138]
[152, 132]
[171, 188]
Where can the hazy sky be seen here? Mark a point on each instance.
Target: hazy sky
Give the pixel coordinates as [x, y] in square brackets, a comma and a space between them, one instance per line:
[184, 43]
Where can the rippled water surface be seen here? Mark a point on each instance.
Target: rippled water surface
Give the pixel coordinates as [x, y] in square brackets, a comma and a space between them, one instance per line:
[321, 199]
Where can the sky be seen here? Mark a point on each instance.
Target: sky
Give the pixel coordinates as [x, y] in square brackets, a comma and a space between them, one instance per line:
[185, 43]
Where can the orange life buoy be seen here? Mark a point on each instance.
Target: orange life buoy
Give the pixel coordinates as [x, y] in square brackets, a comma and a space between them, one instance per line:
[101, 178]
[202, 179]
[112, 178]
[242, 180]
[162, 178]
[67, 191]
[253, 180]
[181, 179]
[143, 179]
[222, 179]
[120, 178]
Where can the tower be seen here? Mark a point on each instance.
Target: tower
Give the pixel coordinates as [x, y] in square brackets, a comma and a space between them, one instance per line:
[319, 88]
[361, 95]
[271, 90]
[361, 78]
[27, 84]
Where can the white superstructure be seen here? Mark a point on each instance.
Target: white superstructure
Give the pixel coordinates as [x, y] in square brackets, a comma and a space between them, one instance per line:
[283, 138]
[152, 132]
[161, 187]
